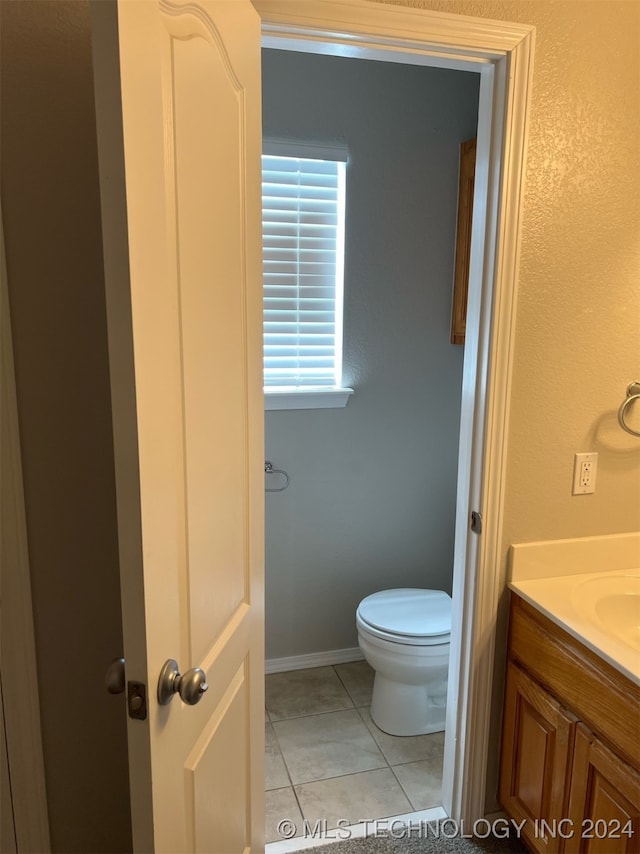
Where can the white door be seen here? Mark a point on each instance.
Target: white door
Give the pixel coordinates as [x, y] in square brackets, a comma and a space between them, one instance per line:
[179, 135]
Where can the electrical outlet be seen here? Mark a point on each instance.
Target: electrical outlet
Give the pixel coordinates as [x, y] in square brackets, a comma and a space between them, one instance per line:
[585, 467]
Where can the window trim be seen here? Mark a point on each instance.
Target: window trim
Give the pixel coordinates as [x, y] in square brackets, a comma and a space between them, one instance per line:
[305, 150]
[306, 398]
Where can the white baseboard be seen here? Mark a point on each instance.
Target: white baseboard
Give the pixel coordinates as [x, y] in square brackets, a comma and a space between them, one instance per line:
[313, 659]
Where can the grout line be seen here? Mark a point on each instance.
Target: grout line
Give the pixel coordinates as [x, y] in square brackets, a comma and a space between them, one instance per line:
[312, 714]
[339, 776]
[342, 682]
[406, 794]
[413, 761]
[315, 714]
[381, 751]
[286, 768]
[346, 688]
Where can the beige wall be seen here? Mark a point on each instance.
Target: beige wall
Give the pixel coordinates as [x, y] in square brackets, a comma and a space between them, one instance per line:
[50, 200]
[578, 321]
[577, 342]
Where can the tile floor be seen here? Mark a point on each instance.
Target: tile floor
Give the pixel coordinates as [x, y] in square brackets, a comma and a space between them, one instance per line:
[326, 759]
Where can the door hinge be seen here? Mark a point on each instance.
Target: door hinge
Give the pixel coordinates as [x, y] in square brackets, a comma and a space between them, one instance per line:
[476, 522]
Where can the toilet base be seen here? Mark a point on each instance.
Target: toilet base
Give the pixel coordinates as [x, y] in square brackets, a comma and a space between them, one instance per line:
[401, 709]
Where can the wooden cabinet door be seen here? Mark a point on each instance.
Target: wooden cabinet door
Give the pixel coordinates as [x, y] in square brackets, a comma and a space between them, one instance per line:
[537, 745]
[604, 800]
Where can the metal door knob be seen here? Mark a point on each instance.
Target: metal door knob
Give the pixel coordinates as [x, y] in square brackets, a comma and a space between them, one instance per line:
[114, 677]
[191, 685]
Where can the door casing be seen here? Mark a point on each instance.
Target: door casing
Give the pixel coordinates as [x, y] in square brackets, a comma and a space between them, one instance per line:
[502, 53]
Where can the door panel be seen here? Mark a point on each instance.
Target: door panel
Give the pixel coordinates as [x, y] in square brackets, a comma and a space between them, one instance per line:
[184, 306]
[209, 237]
[217, 828]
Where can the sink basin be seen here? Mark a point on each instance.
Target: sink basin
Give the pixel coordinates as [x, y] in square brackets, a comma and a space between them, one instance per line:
[613, 604]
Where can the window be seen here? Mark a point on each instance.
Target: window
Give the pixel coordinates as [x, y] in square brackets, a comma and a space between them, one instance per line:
[303, 202]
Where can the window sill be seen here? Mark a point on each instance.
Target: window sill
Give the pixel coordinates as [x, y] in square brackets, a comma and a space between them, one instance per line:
[307, 398]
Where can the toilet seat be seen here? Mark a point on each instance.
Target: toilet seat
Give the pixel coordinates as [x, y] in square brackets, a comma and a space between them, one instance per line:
[407, 615]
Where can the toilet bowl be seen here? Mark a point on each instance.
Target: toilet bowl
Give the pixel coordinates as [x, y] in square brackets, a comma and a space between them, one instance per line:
[404, 634]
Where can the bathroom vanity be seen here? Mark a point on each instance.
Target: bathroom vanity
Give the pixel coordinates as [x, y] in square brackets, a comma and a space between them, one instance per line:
[570, 762]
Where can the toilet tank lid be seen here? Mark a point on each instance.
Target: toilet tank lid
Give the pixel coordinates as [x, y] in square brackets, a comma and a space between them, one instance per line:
[408, 611]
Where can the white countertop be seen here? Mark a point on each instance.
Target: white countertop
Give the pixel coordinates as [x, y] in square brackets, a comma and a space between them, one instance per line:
[564, 599]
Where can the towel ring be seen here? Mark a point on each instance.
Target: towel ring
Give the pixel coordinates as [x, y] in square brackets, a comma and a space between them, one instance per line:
[269, 469]
[633, 394]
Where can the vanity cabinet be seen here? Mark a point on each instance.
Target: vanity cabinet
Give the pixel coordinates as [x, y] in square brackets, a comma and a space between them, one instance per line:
[570, 762]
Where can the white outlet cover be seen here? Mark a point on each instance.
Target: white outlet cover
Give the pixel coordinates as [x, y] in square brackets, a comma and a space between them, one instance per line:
[584, 479]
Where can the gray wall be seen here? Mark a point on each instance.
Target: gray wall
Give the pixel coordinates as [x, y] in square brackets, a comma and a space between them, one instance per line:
[51, 208]
[372, 497]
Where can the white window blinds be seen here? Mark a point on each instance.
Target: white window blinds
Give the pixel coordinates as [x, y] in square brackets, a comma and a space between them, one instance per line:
[303, 250]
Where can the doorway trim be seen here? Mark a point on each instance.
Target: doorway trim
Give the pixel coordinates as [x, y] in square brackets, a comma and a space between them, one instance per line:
[502, 53]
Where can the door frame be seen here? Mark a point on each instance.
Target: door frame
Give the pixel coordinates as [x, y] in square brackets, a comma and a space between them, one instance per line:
[502, 53]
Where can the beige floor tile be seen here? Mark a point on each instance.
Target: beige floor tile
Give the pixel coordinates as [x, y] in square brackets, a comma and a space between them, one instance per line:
[404, 748]
[275, 772]
[421, 782]
[328, 745]
[281, 805]
[305, 692]
[357, 677]
[355, 797]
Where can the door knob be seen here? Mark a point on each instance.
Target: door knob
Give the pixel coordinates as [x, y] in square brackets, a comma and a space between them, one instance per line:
[114, 677]
[191, 685]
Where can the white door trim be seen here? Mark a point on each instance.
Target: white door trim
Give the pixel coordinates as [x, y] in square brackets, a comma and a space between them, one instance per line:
[503, 55]
[19, 675]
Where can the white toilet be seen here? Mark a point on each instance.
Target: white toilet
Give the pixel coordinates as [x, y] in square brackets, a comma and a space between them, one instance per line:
[404, 634]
